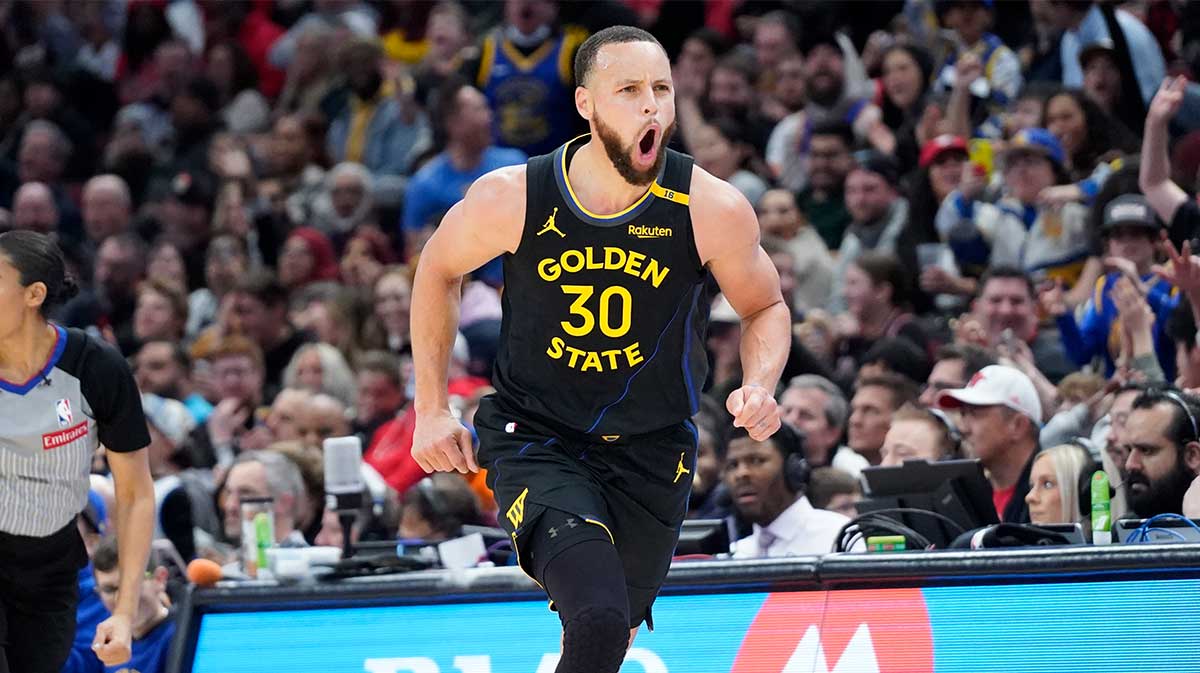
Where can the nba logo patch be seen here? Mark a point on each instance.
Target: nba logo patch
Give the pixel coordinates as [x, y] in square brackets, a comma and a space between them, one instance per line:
[63, 407]
[510, 428]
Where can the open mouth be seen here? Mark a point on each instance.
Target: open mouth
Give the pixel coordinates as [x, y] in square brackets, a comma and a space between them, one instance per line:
[646, 144]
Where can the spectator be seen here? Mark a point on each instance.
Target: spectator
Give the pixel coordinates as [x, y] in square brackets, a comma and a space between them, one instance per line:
[879, 216]
[940, 173]
[1130, 234]
[1103, 84]
[834, 490]
[437, 509]
[907, 72]
[789, 91]
[876, 292]
[283, 418]
[322, 417]
[730, 95]
[321, 368]
[169, 423]
[768, 481]
[195, 119]
[367, 254]
[225, 261]
[448, 35]
[237, 372]
[1056, 480]
[153, 626]
[187, 220]
[707, 489]
[166, 266]
[695, 62]
[355, 17]
[109, 305]
[310, 72]
[377, 128]
[822, 199]
[780, 217]
[1091, 140]
[292, 160]
[244, 109]
[1051, 243]
[816, 407]
[875, 400]
[163, 368]
[328, 313]
[463, 131]
[34, 210]
[388, 327]
[774, 41]
[1004, 312]
[895, 355]
[344, 202]
[264, 474]
[1172, 204]
[381, 393]
[970, 19]
[953, 366]
[1083, 23]
[107, 208]
[1001, 415]
[722, 148]
[919, 434]
[307, 257]
[257, 308]
[160, 313]
[1164, 451]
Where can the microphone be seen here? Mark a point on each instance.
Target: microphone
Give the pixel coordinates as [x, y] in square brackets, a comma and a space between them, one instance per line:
[344, 483]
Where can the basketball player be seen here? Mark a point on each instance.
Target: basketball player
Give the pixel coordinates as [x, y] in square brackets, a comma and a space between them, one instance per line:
[607, 243]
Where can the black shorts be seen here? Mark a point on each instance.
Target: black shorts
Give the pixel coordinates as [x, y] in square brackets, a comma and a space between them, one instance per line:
[39, 590]
[634, 490]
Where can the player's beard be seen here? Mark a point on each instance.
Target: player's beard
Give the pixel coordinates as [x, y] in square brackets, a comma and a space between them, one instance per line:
[622, 156]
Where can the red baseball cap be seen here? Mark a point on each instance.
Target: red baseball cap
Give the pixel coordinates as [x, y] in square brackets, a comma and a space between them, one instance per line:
[940, 145]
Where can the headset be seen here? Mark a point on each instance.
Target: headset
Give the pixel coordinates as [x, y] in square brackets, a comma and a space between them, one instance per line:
[791, 441]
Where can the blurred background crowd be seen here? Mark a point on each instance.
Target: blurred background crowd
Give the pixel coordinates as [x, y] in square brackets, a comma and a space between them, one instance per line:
[980, 213]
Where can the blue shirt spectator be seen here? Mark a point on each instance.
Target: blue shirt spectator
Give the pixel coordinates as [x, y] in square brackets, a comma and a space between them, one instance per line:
[464, 127]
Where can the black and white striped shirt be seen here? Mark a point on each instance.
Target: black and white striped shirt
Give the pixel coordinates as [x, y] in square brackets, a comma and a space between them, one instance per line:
[51, 425]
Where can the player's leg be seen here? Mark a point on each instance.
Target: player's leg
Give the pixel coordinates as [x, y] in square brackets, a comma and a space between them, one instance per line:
[581, 571]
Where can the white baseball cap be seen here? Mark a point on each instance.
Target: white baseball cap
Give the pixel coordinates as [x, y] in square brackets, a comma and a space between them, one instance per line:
[168, 416]
[996, 385]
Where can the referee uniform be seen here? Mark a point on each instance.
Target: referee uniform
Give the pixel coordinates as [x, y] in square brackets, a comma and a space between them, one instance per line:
[50, 427]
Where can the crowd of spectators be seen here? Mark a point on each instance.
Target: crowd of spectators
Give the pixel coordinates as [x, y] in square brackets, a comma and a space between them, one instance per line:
[980, 212]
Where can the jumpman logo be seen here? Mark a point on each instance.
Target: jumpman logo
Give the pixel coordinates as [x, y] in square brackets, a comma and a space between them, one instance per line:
[550, 226]
[680, 470]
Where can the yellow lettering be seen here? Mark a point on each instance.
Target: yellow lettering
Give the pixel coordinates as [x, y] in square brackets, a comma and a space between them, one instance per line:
[549, 270]
[634, 264]
[633, 354]
[575, 353]
[583, 293]
[614, 258]
[575, 265]
[556, 348]
[592, 360]
[592, 262]
[656, 273]
[612, 358]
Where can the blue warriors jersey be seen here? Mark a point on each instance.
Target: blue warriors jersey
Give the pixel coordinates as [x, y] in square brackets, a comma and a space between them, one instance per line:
[604, 315]
[532, 96]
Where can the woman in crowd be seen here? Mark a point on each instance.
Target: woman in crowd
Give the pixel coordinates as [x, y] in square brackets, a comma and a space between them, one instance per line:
[165, 265]
[161, 313]
[387, 328]
[307, 258]
[1054, 486]
[903, 97]
[243, 107]
[321, 368]
[1091, 139]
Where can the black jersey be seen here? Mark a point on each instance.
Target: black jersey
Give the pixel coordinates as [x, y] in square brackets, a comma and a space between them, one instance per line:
[604, 316]
[51, 425]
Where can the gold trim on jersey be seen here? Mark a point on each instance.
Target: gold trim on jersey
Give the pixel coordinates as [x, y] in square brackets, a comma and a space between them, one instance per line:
[669, 194]
[654, 190]
[527, 63]
[486, 60]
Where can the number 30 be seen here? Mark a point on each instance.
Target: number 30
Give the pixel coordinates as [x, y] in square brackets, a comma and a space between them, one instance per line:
[582, 294]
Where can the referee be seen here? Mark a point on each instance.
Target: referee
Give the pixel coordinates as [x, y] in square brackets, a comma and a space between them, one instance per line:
[62, 394]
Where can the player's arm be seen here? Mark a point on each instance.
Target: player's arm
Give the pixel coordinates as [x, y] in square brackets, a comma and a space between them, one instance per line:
[727, 241]
[484, 225]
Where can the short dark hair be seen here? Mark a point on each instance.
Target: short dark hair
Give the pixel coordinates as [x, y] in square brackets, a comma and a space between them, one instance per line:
[1180, 430]
[885, 267]
[585, 57]
[381, 362]
[834, 127]
[903, 390]
[107, 557]
[827, 482]
[974, 358]
[901, 356]
[263, 286]
[445, 501]
[178, 353]
[445, 106]
[1004, 271]
[39, 260]
[786, 440]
